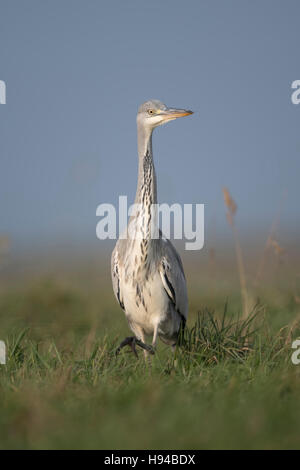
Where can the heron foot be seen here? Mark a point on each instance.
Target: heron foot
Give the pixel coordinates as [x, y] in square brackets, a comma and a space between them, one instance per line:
[132, 341]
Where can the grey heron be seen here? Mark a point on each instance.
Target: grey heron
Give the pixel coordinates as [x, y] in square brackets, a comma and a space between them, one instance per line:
[147, 273]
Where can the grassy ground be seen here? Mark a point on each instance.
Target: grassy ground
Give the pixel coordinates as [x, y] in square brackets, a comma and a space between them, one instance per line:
[231, 386]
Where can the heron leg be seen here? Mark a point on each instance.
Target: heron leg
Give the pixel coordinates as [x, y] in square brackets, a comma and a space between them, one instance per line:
[133, 341]
[154, 339]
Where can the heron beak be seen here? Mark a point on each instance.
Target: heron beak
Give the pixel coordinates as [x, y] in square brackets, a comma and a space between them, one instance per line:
[172, 113]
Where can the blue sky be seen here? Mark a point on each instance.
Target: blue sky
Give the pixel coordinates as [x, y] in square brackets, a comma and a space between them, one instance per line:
[76, 72]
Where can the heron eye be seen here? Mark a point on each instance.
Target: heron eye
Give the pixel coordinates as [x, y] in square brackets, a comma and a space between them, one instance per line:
[150, 111]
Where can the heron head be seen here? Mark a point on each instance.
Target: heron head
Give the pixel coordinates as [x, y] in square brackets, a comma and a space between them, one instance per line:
[153, 113]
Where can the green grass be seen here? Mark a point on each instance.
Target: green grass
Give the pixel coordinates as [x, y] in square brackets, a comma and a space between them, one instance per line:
[231, 384]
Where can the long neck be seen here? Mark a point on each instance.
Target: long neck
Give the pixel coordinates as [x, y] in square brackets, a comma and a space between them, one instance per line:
[146, 192]
[144, 218]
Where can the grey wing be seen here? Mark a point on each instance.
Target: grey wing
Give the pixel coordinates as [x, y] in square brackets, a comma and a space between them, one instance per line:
[115, 275]
[173, 278]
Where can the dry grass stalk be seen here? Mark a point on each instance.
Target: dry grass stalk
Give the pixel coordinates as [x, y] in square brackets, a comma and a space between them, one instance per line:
[273, 229]
[294, 325]
[297, 299]
[278, 250]
[212, 270]
[232, 208]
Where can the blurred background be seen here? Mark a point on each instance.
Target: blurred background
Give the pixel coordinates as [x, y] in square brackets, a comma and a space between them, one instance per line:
[76, 73]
